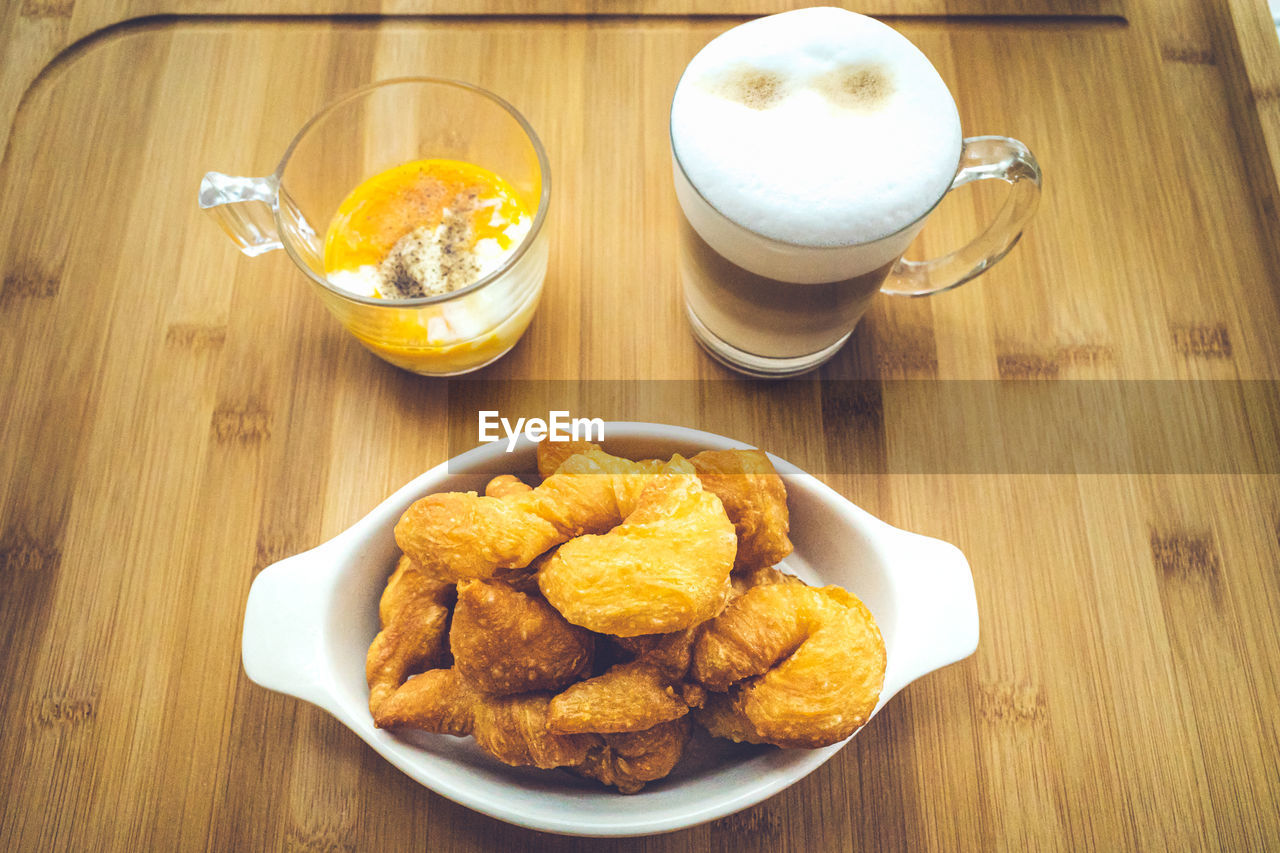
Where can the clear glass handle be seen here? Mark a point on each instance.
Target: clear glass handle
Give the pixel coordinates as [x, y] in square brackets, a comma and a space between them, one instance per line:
[244, 208]
[983, 158]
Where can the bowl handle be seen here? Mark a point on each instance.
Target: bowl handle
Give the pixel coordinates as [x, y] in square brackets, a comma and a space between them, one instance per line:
[937, 610]
[282, 643]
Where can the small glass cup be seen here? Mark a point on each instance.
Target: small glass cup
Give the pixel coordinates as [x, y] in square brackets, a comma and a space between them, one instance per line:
[367, 132]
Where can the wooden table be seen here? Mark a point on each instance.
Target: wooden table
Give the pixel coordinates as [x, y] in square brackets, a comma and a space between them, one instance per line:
[177, 417]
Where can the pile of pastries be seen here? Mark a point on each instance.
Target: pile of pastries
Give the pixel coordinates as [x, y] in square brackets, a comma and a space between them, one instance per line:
[590, 621]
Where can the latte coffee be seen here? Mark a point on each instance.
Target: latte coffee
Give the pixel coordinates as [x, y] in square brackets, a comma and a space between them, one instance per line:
[808, 147]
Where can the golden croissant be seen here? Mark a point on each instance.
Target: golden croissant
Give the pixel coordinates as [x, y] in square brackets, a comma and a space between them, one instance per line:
[505, 486]
[507, 641]
[802, 666]
[630, 759]
[753, 495]
[630, 697]
[459, 535]
[755, 500]
[414, 612]
[665, 568]
[513, 729]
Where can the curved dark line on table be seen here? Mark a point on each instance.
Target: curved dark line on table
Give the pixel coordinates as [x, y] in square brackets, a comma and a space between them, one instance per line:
[129, 26]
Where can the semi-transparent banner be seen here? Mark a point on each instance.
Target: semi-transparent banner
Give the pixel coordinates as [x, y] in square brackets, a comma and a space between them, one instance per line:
[912, 426]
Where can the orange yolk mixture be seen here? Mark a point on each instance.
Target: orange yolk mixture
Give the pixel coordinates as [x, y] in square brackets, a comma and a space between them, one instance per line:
[427, 228]
[422, 229]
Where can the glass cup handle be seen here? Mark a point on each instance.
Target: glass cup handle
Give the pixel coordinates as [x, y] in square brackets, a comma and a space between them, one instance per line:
[983, 158]
[244, 208]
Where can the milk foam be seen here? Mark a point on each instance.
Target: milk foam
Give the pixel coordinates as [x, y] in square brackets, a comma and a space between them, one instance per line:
[818, 127]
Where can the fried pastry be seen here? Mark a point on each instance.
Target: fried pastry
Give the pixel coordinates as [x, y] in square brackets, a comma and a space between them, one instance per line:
[513, 729]
[670, 653]
[755, 500]
[745, 580]
[634, 695]
[552, 454]
[663, 569]
[627, 479]
[754, 496]
[692, 694]
[803, 666]
[437, 700]
[414, 614]
[506, 485]
[458, 535]
[506, 641]
[627, 761]
[630, 697]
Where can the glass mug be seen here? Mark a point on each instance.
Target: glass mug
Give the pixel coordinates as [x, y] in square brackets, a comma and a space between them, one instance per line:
[769, 308]
[364, 133]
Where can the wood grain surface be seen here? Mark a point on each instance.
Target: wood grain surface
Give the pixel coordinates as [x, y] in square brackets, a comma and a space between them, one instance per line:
[38, 33]
[179, 417]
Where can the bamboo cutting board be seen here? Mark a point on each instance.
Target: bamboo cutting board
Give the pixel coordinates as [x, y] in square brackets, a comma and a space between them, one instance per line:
[178, 417]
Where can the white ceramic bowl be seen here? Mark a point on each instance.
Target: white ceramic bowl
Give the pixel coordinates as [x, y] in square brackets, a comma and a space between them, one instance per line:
[310, 619]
